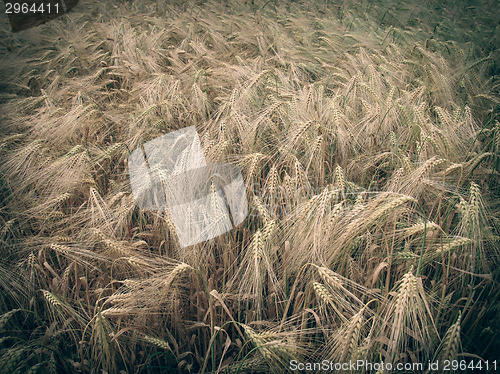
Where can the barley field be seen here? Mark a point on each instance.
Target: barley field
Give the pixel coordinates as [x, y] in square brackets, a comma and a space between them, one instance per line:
[368, 137]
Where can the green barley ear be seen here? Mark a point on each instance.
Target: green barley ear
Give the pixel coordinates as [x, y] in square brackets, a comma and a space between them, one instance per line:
[346, 342]
[160, 343]
[36, 368]
[103, 346]
[258, 342]
[276, 349]
[177, 272]
[269, 229]
[6, 316]
[52, 299]
[62, 310]
[406, 321]
[497, 137]
[339, 292]
[300, 175]
[394, 141]
[272, 183]
[261, 209]
[340, 179]
[322, 293]
[450, 345]
[329, 277]
[11, 358]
